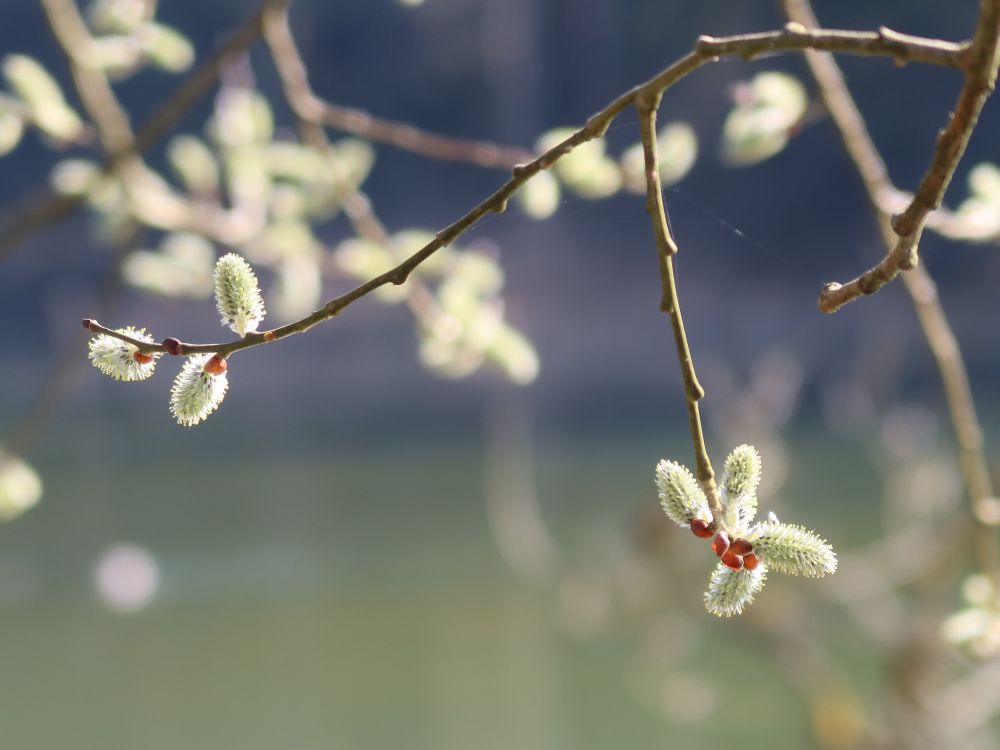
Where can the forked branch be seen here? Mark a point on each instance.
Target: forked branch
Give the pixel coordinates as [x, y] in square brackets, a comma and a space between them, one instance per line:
[979, 62]
[794, 38]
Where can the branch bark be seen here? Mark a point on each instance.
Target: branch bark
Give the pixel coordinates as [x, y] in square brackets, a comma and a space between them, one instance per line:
[666, 248]
[922, 292]
[979, 61]
[794, 38]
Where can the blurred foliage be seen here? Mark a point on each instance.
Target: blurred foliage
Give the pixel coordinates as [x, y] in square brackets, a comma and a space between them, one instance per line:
[20, 486]
[767, 109]
[979, 214]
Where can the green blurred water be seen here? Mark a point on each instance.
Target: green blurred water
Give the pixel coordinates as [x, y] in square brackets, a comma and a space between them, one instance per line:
[354, 598]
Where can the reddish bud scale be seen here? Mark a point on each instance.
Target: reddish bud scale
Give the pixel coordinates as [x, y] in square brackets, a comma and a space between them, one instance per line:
[268, 336]
[732, 560]
[701, 528]
[741, 547]
[216, 365]
[750, 562]
[86, 323]
[171, 345]
[142, 359]
[721, 543]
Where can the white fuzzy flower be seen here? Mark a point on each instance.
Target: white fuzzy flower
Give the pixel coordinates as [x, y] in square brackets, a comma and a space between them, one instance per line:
[117, 358]
[729, 591]
[680, 496]
[747, 552]
[739, 486]
[196, 393]
[793, 550]
[237, 295]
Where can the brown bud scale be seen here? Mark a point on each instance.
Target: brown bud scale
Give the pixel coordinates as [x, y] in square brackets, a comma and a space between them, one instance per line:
[216, 365]
[721, 543]
[732, 560]
[701, 528]
[741, 547]
[171, 345]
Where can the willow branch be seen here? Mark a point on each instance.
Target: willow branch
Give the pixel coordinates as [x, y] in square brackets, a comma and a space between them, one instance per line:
[666, 248]
[921, 289]
[310, 108]
[707, 50]
[979, 62]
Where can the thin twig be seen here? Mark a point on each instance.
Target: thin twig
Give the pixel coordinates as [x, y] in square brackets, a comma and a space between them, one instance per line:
[666, 248]
[707, 50]
[980, 62]
[921, 289]
[311, 109]
[409, 138]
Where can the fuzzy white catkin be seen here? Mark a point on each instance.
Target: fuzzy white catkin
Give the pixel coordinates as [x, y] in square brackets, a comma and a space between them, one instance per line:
[680, 496]
[237, 294]
[793, 550]
[739, 485]
[729, 591]
[742, 472]
[196, 393]
[116, 358]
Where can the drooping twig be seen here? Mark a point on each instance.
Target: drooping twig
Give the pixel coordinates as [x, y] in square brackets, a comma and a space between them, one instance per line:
[921, 289]
[666, 248]
[979, 62]
[707, 50]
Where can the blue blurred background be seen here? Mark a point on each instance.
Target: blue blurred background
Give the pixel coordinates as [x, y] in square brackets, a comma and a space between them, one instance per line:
[327, 559]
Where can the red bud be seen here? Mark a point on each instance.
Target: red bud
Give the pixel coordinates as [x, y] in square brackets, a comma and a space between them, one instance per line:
[741, 547]
[86, 323]
[142, 359]
[721, 543]
[701, 528]
[172, 345]
[750, 562]
[216, 365]
[733, 560]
